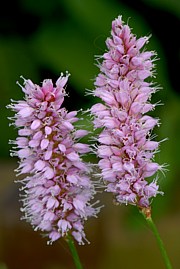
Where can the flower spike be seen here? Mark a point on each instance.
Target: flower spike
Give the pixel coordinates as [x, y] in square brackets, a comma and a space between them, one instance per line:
[125, 146]
[58, 189]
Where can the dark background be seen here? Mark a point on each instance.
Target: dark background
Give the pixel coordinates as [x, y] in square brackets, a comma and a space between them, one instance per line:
[40, 39]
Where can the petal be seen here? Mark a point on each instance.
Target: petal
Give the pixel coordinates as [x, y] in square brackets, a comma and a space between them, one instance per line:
[24, 153]
[26, 112]
[52, 202]
[81, 148]
[141, 41]
[49, 173]
[72, 179]
[54, 235]
[34, 143]
[35, 124]
[37, 135]
[48, 130]
[151, 145]
[60, 83]
[78, 204]
[62, 148]
[80, 133]
[73, 156]
[68, 125]
[48, 155]
[39, 165]
[49, 215]
[44, 143]
[25, 132]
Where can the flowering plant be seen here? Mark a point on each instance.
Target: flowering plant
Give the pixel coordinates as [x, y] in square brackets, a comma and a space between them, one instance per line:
[58, 189]
[126, 146]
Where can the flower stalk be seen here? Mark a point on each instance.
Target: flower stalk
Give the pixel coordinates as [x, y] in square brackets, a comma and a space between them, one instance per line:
[74, 252]
[146, 212]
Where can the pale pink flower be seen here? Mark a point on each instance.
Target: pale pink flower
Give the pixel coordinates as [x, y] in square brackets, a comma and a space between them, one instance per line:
[57, 190]
[125, 146]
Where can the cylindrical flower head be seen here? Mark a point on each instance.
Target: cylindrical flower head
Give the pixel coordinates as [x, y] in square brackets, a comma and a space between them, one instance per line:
[125, 145]
[57, 190]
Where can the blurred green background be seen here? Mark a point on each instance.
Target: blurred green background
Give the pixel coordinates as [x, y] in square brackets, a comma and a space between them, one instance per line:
[40, 39]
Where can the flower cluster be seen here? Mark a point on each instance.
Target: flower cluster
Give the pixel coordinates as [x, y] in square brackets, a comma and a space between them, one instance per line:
[125, 145]
[57, 187]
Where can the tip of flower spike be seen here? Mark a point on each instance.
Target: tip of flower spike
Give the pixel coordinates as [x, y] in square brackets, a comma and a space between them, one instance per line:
[119, 19]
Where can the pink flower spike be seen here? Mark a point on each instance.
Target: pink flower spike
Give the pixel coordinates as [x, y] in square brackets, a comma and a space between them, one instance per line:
[125, 146]
[57, 190]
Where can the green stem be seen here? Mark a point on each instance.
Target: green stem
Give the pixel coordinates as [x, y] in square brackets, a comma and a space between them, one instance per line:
[153, 228]
[74, 252]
